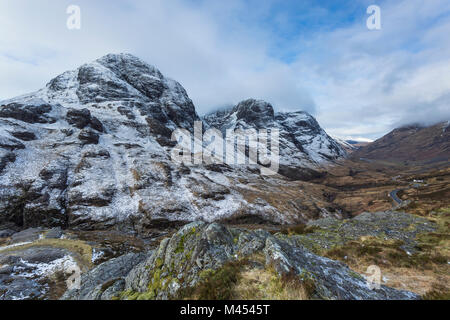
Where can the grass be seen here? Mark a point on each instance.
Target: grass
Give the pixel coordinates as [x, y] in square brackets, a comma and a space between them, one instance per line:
[265, 284]
[369, 251]
[425, 271]
[438, 292]
[297, 229]
[82, 250]
[241, 280]
[216, 285]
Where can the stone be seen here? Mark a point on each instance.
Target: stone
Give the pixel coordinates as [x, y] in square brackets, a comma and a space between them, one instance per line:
[88, 136]
[6, 233]
[28, 112]
[199, 248]
[28, 235]
[82, 118]
[55, 233]
[24, 135]
[104, 277]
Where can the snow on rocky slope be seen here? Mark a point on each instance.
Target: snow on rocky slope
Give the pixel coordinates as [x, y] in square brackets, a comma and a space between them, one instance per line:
[92, 151]
[303, 143]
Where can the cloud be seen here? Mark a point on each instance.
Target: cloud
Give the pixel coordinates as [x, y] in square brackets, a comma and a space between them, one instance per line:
[369, 82]
[298, 55]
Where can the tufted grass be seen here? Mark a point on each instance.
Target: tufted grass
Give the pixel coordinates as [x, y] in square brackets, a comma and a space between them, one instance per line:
[298, 229]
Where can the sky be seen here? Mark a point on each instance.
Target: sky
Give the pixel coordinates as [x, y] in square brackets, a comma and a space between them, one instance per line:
[316, 56]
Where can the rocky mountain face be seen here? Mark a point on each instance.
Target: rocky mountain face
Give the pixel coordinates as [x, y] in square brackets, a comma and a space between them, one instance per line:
[412, 143]
[303, 143]
[92, 151]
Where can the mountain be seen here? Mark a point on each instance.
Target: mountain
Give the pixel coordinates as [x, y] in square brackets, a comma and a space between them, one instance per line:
[303, 143]
[413, 143]
[350, 145]
[347, 145]
[92, 150]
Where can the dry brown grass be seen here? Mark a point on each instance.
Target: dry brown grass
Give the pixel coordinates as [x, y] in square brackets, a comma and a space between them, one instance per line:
[265, 284]
[298, 201]
[247, 279]
[415, 279]
[297, 229]
[438, 291]
[426, 272]
[4, 241]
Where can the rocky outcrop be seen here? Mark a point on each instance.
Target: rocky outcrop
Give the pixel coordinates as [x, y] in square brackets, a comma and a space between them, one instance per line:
[29, 112]
[198, 249]
[105, 281]
[82, 118]
[389, 225]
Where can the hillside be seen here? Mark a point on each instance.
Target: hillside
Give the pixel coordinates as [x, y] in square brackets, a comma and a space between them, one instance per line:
[415, 144]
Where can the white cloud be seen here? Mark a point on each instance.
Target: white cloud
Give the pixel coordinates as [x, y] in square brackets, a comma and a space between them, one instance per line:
[358, 82]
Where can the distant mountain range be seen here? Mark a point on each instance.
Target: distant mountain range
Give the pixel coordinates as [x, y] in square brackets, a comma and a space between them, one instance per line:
[413, 143]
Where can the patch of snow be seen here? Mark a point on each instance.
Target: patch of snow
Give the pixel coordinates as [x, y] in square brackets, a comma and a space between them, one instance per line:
[19, 244]
[42, 270]
[97, 255]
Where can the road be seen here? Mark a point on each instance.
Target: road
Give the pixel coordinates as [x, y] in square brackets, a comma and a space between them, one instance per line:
[394, 196]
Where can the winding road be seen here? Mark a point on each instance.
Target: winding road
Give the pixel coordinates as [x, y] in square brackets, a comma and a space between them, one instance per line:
[394, 196]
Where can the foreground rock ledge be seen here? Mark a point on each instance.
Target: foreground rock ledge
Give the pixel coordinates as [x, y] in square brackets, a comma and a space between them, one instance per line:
[197, 249]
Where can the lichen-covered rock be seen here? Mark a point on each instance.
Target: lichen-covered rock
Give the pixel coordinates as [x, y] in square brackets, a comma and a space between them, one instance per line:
[389, 225]
[180, 260]
[332, 279]
[199, 248]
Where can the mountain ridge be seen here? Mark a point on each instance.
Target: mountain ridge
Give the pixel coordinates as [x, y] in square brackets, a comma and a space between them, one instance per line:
[411, 143]
[92, 151]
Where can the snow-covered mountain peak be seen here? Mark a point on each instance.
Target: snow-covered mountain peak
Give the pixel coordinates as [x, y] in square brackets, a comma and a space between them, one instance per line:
[303, 143]
[125, 65]
[258, 113]
[125, 84]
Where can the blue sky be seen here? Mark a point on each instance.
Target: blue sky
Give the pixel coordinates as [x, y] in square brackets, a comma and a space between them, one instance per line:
[308, 55]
